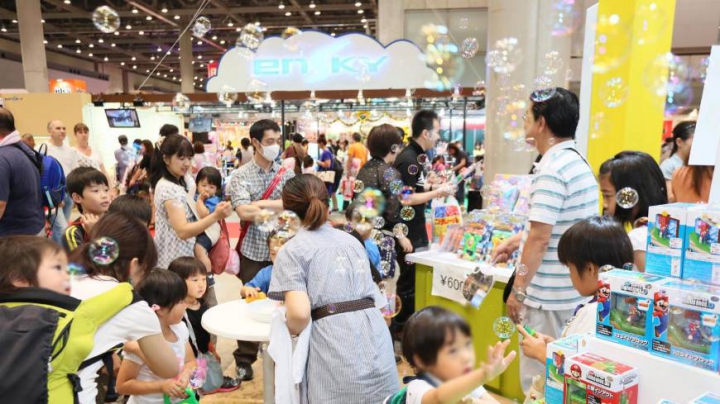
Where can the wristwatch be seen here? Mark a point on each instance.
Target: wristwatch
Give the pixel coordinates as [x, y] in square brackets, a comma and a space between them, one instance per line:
[520, 294]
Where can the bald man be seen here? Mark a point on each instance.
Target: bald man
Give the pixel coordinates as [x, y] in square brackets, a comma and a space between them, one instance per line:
[69, 159]
[29, 140]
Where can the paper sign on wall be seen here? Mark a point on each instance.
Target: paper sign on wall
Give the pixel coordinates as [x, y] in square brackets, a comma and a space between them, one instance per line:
[705, 142]
[448, 283]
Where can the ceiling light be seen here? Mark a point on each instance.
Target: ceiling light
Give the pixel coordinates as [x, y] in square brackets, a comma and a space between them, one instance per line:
[122, 63]
[317, 12]
[199, 42]
[152, 57]
[45, 41]
[134, 10]
[66, 1]
[106, 59]
[133, 58]
[364, 20]
[158, 73]
[281, 5]
[332, 34]
[14, 21]
[77, 41]
[211, 61]
[90, 54]
[288, 14]
[312, 4]
[177, 17]
[164, 75]
[91, 46]
[59, 45]
[141, 32]
[238, 29]
[214, 38]
[202, 64]
[164, 9]
[42, 21]
[264, 29]
[134, 66]
[230, 24]
[168, 52]
[147, 70]
[222, 42]
[174, 78]
[112, 45]
[361, 11]
[101, 40]
[171, 70]
[193, 62]
[116, 33]
[149, 18]
[195, 78]
[358, 4]
[128, 26]
[365, 26]
[159, 49]
[257, 23]
[199, 56]
[77, 50]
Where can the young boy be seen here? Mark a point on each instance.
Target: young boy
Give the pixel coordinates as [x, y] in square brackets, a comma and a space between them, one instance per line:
[261, 281]
[37, 262]
[90, 191]
[133, 205]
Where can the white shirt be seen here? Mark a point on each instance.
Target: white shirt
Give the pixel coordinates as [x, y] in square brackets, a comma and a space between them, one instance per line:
[638, 238]
[146, 375]
[417, 388]
[131, 323]
[583, 322]
[670, 165]
[66, 155]
[93, 160]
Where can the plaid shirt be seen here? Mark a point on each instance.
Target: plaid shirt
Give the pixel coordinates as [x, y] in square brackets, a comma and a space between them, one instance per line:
[248, 184]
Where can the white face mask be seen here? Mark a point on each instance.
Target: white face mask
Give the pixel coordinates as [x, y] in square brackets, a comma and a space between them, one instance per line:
[271, 152]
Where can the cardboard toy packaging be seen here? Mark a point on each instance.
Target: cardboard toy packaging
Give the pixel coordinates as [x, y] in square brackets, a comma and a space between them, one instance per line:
[707, 398]
[593, 379]
[666, 239]
[557, 353]
[702, 248]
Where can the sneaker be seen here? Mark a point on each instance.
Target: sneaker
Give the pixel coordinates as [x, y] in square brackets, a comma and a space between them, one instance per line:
[244, 371]
[229, 384]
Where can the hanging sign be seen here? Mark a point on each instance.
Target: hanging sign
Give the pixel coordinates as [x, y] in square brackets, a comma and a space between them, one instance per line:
[212, 68]
[68, 86]
[315, 60]
[448, 282]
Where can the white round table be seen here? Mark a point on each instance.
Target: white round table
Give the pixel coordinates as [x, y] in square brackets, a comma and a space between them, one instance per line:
[232, 320]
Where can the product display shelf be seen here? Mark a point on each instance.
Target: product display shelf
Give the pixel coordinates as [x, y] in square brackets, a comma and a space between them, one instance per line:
[660, 378]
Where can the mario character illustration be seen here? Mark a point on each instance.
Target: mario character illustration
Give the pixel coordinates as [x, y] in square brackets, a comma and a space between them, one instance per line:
[660, 313]
[694, 333]
[559, 362]
[663, 222]
[703, 230]
[603, 299]
[575, 371]
[633, 314]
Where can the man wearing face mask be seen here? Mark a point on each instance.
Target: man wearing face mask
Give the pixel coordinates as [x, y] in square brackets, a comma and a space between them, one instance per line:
[248, 184]
[425, 135]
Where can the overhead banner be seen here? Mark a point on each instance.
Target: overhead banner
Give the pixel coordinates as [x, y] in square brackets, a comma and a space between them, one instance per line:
[67, 86]
[317, 61]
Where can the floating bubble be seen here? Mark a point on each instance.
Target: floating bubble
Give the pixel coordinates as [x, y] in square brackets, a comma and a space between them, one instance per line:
[677, 102]
[358, 186]
[291, 35]
[250, 37]
[469, 47]
[76, 269]
[629, 266]
[653, 23]
[400, 230]
[227, 95]
[378, 222]
[363, 227]
[552, 63]
[257, 93]
[201, 27]
[106, 19]
[606, 268]
[181, 102]
[396, 187]
[290, 220]
[389, 175]
[385, 267]
[407, 213]
[463, 23]
[104, 251]
[388, 243]
[413, 169]
[521, 270]
[331, 308]
[701, 71]
[377, 236]
[611, 28]
[599, 126]
[521, 145]
[442, 57]
[627, 197]
[394, 306]
[266, 220]
[487, 191]
[371, 203]
[406, 192]
[512, 125]
[479, 88]
[564, 18]
[614, 92]
[544, 89]
[348, 227]
[505, 56]
[504, 327]
[569, 75]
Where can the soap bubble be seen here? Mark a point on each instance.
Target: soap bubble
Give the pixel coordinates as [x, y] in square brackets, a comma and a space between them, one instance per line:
[371, 203]
[266, 220]
[396, 187]
[627, 197]
[291, 35]
[388, 243]
[487, 191]
[701, 71]
[106, 19]
[257, 93]
[378, 222]
[676, 102]
[505, 56]
[227, 95]
[606, 268]
[400, 230]
[406, 192]
[479, 88]
[564, 18]
[376, 235]
[358, 186]
[201, 27]
[552, 63]
[394, 306]
[599, 126]
[389, 175]
[504, 327]
[250, 37]
[76, 269]
[442, 57]
[614, 92]
[544, 89]
[513, 126]
[413, 169]
[331, 308]
[463, 23]
[469, 48]
[181, 102]
[407, 213]
[521, 270]
[290, 220]
[667, 73]
[611, 28]
[104, 251]
[348, 227]
[653, 23]
[521, 145]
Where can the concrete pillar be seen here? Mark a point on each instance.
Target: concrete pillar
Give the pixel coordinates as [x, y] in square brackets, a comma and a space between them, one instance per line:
[186, 67]
[391, 20]
[34, 62]
[115, 75]
[525, 20]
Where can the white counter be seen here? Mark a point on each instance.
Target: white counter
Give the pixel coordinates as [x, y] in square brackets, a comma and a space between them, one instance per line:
[435, 257]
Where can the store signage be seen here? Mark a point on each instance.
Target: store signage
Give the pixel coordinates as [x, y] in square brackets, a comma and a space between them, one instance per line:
[448, 282]
[706, 140]
[317, 61]
[68, 86]
[212, 68]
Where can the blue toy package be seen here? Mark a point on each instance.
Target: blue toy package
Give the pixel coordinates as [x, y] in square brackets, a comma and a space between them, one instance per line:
[557, 352]
[685, 324]
[625, 300]
[707, 398]
[702, 248]
[666, 238]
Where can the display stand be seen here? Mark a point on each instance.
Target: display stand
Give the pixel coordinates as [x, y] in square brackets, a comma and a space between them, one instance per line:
[480, 320]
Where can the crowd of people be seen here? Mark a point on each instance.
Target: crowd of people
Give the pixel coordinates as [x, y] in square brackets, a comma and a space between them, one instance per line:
[153, 227]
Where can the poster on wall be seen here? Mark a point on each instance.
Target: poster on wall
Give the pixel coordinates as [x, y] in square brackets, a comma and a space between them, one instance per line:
[68, 86]
[315, 60]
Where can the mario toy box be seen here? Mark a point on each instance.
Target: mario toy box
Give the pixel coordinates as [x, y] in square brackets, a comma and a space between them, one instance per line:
[592, 379]
[557, 353]
[666, 238]
[702, 247]
[707, 398]
[686, 326]
[625, 304]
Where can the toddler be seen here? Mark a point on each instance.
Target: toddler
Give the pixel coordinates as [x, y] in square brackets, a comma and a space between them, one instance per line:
[209, 185]
[261, 281]
[37, 262]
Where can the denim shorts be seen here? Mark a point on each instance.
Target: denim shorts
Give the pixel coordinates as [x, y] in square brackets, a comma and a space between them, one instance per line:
[204, 242]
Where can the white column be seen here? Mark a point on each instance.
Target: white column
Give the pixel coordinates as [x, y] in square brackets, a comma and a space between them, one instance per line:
[186, 66]
[391, 20]
[34, 62]
[525, 20]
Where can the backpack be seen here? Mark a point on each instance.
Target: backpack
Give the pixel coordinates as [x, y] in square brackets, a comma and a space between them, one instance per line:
[46, 337]
[52, 177]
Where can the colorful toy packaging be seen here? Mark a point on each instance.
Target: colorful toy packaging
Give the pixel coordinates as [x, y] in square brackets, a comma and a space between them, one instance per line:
[625, 302]
[485, 229]
[444, 213]
[686, 326]
[666, 238]
[510, 193]
[592, 379]
[707, 398]
[702, 248]
[558, 353]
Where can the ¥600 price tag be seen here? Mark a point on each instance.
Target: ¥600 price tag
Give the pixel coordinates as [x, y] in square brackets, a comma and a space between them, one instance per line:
[448, 283]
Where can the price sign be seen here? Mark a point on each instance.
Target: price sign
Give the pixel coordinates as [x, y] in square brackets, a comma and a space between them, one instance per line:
[448, 283]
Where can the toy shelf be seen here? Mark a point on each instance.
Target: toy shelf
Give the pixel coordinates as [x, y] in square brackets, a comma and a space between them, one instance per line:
[660, 378]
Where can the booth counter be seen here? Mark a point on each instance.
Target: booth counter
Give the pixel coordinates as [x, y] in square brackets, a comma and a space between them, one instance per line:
[441, 266]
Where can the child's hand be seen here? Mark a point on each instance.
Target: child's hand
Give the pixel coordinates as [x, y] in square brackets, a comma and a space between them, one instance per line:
[88, 220]
[497, 362]
[172, 388]
[223, 210]
[534, 347]
[203, 196]
[248, 291]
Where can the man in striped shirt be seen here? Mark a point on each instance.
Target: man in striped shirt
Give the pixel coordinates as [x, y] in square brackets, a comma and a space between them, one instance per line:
[564, 191]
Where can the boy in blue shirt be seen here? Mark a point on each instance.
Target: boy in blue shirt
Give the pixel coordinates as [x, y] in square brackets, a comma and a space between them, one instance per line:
[261, 281]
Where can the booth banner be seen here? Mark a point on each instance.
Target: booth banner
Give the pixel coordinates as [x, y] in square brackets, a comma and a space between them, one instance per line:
[212, 69]
[448, 283]
[68, 86]
[315, 60]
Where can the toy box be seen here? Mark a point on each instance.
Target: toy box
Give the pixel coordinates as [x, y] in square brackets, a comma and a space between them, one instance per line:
[685, 324]
[625, 303]
[702, 247]
[666, 238]
[592, 379]
[707, 398]
[557, 353]
[509, 193]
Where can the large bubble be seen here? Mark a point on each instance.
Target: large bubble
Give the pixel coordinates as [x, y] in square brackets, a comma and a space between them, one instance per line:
[564, 18]
[667, 73]
[611, 29]
[250, 37]
[106, 19]
[201, 27]
[505, 56]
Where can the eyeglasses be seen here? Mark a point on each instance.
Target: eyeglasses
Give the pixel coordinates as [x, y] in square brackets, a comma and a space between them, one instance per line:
[525, 116]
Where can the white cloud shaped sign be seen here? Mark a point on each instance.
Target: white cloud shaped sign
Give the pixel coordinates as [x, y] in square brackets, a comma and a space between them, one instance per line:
[317, 61]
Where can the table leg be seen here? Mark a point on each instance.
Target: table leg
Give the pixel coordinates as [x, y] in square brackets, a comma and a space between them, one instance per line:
[268, 375]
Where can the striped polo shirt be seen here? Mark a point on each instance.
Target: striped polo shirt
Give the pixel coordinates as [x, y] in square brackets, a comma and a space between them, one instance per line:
[564, 191]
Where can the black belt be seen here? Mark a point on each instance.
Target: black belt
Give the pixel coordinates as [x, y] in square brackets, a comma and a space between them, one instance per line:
[342, 307]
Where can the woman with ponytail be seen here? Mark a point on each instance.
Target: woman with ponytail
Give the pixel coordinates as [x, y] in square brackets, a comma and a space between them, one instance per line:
[323, 275]
[121, 250]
